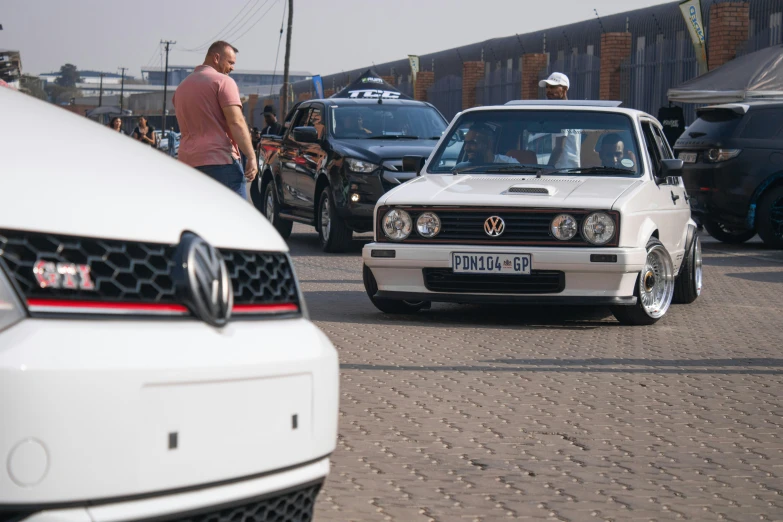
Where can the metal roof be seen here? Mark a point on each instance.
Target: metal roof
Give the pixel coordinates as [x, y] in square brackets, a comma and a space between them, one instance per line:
[569, 103]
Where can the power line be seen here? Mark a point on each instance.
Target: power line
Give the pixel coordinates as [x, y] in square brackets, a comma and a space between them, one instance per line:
[256, 22]
[249, 17]
[149, 62]
[215, 38]
[277, 55]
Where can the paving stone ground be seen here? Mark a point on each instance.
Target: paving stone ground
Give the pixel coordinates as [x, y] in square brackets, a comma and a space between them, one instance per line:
[497, 413]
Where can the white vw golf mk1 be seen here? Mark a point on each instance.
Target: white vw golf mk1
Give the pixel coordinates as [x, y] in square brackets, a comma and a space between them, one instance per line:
[574, 203]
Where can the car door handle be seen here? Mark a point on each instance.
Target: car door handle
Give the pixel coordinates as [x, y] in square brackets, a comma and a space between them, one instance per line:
[675, 197]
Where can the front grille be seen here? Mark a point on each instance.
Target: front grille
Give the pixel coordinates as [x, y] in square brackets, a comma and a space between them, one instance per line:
[522, 226]
[138, 272]
[296, 506]
[538, 282]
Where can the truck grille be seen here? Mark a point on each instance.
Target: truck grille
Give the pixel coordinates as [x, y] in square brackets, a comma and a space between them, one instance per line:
[137, 272]
[538, 282]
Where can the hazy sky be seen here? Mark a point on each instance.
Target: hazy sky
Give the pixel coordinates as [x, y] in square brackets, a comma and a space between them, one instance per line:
[328, 36]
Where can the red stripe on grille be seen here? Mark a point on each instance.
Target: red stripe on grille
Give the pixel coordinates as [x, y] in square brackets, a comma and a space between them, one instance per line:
[265, 308]
[103, 305]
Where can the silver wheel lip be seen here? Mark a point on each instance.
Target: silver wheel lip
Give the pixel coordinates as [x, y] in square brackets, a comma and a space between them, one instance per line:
[326, 221]
[697, 266]
[270, 205]
[657, 302]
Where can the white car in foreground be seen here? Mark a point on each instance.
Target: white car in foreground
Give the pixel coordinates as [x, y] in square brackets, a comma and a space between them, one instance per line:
[559, 203]
[156, 359]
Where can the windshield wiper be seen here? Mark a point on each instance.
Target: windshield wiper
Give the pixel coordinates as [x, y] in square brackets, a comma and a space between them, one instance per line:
[594, 170]
[519, 169]
[393, 137]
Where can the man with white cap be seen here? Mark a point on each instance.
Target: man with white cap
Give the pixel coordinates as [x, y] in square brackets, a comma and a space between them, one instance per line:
[567, 147]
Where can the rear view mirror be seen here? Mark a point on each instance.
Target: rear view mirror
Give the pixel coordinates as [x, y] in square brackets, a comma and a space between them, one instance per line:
[413, 164]
[305, 134]
[670, 168]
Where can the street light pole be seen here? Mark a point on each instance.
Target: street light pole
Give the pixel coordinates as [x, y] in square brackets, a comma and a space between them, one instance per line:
[100, 93]
[165, 84]
[284, 98]
[122, 87]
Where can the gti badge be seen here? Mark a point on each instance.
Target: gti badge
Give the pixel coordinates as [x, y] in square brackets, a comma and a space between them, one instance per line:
[69, 276]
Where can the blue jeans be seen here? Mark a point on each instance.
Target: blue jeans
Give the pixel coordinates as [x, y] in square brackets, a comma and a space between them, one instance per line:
[231, 175]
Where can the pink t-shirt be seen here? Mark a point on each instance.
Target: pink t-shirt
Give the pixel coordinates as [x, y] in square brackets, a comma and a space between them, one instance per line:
[199, 102]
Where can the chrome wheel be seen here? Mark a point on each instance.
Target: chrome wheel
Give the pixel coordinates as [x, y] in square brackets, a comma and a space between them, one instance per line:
[697, 266]
[269, 205]
[326, 221]
[656, 284]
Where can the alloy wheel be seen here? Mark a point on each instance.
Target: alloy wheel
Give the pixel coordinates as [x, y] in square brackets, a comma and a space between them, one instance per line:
[656, 284]
[326, 221]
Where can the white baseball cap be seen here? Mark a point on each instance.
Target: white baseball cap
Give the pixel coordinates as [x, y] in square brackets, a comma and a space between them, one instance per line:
[555, 79]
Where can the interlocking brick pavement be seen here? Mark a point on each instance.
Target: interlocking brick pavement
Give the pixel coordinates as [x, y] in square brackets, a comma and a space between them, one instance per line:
[499, 413]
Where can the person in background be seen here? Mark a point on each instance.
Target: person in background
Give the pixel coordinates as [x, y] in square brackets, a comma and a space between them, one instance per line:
[145, 133]
[272, 125]
[480, 147]
[116, 124]
[567, 147]
[256, 137]
[209, 112]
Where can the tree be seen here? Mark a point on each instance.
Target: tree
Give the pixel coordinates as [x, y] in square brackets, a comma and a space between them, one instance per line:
[69, 76]
[61, 95]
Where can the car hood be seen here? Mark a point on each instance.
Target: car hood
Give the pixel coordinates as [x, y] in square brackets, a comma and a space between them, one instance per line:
[385, 149]
[77, 177]
[499, 190]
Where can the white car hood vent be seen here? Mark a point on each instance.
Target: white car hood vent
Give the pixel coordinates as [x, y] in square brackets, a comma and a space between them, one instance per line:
[531, 190]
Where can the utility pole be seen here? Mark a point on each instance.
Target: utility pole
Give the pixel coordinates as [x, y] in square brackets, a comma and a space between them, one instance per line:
[284, 100]
[165, 84]
[100, 93]
[122, 87]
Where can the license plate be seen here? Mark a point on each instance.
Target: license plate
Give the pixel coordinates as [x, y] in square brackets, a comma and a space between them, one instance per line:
[462, 263]
[688, 157]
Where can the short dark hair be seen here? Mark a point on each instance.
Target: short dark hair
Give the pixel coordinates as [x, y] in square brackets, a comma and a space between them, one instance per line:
[482, 128]
[219, 47]
[611, 139]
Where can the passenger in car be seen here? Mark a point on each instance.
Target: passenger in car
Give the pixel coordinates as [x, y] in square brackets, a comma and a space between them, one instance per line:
[613, 152]
[480, 146]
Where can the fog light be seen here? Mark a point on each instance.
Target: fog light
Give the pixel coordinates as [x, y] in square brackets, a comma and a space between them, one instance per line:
[383, 253]
[355, 198]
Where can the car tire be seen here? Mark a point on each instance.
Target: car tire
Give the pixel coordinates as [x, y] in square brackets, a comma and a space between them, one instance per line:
[271, 210]
[769, 219]
[388, 306]
[687, 287]
[726, 234]
[334, 234]
[654, 289]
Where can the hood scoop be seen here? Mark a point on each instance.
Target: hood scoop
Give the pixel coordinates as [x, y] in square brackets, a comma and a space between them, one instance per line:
[531, 190]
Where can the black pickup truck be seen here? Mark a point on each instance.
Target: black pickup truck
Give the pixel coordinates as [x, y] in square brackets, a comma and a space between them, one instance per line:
[336, 158]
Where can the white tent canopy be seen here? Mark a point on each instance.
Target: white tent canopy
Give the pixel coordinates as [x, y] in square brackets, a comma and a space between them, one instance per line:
[755, 76]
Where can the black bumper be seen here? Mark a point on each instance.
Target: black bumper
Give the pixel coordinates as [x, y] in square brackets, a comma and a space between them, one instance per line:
[537, 300]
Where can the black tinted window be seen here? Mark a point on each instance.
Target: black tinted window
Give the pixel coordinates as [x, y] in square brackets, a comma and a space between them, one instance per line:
[718, 124]
[763, 125]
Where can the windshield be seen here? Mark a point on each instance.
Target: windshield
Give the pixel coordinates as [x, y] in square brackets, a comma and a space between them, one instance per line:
[379, 121]
[499, 141]
[714, 125]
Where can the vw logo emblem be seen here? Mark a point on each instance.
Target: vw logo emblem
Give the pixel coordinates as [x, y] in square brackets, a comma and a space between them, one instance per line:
[494, 226]
[204, 280]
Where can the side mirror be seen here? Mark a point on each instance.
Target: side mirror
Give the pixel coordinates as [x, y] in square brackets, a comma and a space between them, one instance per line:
[305, 134]
[670, 168]
[413, 164]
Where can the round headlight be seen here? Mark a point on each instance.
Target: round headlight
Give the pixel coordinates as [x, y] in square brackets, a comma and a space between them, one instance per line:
[564, 227]
[397, 224]
[428, 225]
[598, 228]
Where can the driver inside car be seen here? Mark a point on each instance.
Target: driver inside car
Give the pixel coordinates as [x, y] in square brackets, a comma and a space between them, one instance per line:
[613, 152]
[480, 145]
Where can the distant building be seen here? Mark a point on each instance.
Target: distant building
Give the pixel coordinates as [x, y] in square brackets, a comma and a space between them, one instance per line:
[10, 67]
[248, 81]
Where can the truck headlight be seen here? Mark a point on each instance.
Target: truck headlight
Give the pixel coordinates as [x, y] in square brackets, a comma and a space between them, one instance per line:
[564, 227]
[361, 166]
[598, 228]
[428, 225]
[11, 311]
[397, 224]
[718, 155]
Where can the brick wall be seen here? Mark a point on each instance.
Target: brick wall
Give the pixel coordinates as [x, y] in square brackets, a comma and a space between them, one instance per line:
[615, 48]
[328, 93]
[388, 79]
[532, 64]
[729, 27]
[249, 107]
[304, 96]
[424, 80]
[472, 72]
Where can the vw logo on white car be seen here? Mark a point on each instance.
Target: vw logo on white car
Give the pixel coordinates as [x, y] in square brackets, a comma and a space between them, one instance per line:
[207, 285]
[494, 226]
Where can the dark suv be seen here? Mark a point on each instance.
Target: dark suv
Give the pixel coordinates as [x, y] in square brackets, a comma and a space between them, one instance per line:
[733, 171]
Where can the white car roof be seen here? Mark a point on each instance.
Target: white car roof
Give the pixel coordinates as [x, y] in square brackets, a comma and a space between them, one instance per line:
[62, 173]
[565, 105]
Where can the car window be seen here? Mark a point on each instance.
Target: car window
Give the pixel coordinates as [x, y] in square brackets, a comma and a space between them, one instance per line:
[662, 142]
[653, 147]
[377, 121]
[538, 138]
[763, 125]
[714, 124]
[301, 117]
[316, 120]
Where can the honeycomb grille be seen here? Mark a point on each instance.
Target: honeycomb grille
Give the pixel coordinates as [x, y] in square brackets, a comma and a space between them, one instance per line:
[135, 272]
[296, 506]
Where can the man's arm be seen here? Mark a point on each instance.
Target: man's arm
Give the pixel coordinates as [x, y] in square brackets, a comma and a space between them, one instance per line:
[240, 134]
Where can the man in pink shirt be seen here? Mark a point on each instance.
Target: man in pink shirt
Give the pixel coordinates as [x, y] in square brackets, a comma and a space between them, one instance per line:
[209, 112]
